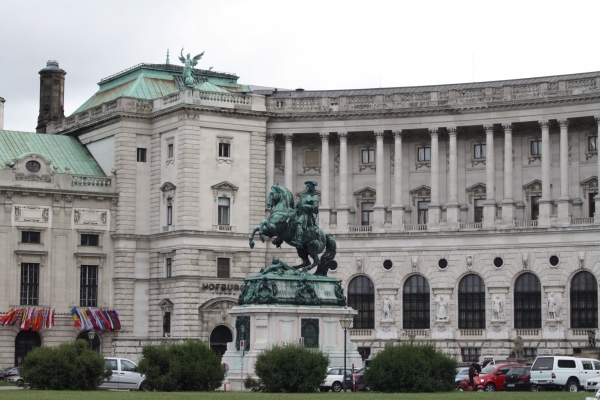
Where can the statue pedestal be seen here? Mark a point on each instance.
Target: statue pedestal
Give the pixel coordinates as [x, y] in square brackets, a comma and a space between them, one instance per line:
[386, 330]
[272, 324]
[554, 330]
[497, 329]
[442, 329]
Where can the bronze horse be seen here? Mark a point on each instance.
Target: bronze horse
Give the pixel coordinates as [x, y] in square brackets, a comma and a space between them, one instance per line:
[281, 224]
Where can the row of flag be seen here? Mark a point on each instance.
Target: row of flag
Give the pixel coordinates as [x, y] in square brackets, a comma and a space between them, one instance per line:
[98, 320]
[29, 318]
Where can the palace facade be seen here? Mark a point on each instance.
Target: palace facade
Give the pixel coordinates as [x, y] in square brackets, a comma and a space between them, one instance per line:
[468, 210]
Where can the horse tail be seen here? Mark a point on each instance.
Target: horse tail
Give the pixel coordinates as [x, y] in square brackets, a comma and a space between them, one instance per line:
[328, 256]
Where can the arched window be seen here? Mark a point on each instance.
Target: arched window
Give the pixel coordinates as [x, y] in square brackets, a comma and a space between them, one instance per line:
[24, 343]
[95, 342]
[528, 302]
[361, 297]
[471, 303]
[416, 300]
[219, 338]
[584, 301]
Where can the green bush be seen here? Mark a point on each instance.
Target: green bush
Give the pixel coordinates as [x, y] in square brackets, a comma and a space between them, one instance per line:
[411, 368]
[191, 366]
[71, 366]
[289, 368]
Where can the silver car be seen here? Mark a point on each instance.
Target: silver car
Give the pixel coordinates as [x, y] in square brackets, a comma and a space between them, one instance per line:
[124, 375]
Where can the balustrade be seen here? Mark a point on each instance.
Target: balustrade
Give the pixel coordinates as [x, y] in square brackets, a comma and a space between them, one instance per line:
[582, 221]
[360, 332]
[224, 228]
[84, 180]
[360, 228]
[470, 226]
[526, 224]
[471, 332]
[528, 332]
[415, 227]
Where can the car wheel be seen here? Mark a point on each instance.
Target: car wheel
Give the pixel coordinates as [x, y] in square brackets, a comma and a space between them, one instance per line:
[572, 386]
[144, 387]
[534, 388]
[490, 387]
[480, 389]
[336, 387]
[20, 382]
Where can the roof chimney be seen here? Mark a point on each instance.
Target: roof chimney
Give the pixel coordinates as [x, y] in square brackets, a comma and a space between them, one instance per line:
[52, 95]
[2, 113]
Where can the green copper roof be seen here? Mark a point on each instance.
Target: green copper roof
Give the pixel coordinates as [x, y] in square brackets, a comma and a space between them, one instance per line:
[60, 150]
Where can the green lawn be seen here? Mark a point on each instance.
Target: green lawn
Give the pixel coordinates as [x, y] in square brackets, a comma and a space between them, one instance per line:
[104, 395]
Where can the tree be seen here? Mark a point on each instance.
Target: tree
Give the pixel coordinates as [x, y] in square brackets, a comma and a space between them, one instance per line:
[289, 368]
[190, 366]
[410, 368]
[71, 366]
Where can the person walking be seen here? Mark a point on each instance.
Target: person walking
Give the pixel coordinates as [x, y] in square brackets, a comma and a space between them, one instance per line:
[474, 370]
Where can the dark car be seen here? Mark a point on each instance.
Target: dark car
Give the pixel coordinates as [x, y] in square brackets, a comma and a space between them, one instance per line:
[4, 372]
[10, 372]
[518, 378]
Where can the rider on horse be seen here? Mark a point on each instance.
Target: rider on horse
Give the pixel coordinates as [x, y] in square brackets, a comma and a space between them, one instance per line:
[306, 208]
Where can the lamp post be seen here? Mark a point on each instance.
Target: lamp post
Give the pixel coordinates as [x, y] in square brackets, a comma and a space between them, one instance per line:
[591, 338]
[345, 323]
[91, 335]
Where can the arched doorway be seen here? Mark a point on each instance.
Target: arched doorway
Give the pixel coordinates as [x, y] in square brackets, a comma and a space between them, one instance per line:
[416, 300]
[95, 343]
[24, 343]
[471, 303]
[219, 337]
[528, 302]
[361, 297]
[584, 301]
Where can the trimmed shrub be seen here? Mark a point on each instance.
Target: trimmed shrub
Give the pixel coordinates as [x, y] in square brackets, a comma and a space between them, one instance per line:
[411, 368]
[190, 366]
[289, 368]
[71, 366]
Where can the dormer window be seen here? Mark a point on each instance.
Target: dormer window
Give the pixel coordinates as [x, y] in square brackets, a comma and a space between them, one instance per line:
[33, 166]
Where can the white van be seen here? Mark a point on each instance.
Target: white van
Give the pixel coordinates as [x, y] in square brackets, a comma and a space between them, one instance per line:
[124, 375]
[563, 372]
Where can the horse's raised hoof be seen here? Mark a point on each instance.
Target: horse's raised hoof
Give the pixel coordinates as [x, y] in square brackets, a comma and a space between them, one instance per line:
[262, 238]
[251, 245]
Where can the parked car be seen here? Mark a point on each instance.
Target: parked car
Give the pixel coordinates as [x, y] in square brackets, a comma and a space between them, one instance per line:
[518, 378]
[563, 372]
[335, 378]
[14, 379]
[10, 372]
[493, 361]
[124, 375]
[592, 385]
[461, 374]
[491, 378]
[5, 372]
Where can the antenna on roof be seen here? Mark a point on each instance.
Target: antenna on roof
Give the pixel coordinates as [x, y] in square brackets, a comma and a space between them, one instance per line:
[168, 62]
[210, 69]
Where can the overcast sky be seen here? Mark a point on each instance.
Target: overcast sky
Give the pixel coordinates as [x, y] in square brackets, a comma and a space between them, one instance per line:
[290, 44]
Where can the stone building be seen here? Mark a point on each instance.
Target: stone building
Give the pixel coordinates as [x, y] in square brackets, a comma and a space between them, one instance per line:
[464, 214]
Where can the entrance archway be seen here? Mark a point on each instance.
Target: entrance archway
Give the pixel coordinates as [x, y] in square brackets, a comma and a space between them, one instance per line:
[219, 337]
[24, 343]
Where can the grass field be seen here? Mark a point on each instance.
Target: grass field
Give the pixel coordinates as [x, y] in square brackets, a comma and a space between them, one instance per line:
[107, 395]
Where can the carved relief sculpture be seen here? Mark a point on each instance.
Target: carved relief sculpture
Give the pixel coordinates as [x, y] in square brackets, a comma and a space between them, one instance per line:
[553, 307]
[442, 313]
[470, 262]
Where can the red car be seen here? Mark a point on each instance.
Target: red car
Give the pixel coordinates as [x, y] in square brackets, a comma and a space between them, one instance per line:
[491, 378]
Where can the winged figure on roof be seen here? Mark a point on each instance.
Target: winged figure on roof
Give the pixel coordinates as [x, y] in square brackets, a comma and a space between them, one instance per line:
[189, 64]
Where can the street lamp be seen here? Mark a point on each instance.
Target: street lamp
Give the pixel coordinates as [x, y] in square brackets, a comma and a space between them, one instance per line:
[591, 338]
[91, 335]
[345, 323]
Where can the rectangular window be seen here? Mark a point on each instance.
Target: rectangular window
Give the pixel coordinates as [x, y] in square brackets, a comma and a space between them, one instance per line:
[424, 153]
[423, 212]
[169, 212]
[479, 151]
[535, 207]
[479, 210]
[90, 240]
[222, 267]
[470, 353]
[88, 296]
[592, 204]
[168, 264]
[224, 150]
[223, 211]
[30, 237]
[312, 158]
[167, 324]
[367, 214]
[170, 150]
[30, 284]
[278, 157]
[141, 155]
[536, 148]
[593, 143]
[368, 156]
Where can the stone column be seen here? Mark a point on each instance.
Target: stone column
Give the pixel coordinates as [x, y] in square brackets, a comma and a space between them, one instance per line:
[452, 209]
[564, 202]
[289, 161]
[489, 205]
[597, 198]
[545, 201]
[397, 207]
[342, 208]
[379, 207]
[508, 204]
[324, 210]
[433, 223]
[270, 162]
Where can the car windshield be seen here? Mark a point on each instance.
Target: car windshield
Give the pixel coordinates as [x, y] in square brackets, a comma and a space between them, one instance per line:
[517, 371]
[489, 369]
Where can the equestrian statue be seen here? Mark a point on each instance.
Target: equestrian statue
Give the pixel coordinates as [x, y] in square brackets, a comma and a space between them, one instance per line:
[296, 226]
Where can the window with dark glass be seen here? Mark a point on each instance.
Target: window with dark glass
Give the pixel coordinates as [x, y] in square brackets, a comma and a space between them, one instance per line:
[90, 240]
[536, 148]
[479, 210]
[470, 353]
[170, 150]
[471, 303]
[222, 267]
[528, 302]
[529, 352]
[366, 214]
[224, 150]
[423, 212]
[368, 156]
[278, 157]
[168, 267]
[223, 211]
[141, 155]
[30, 284]
[30, 237]
[593, 143]
[88, 295]
[361, 297]
[416, 301]
[584, 301]
[535, 207]
[167, 324]
[32, 166]
[592, 204]
[169, 212]
[424, 153]
[479, 151]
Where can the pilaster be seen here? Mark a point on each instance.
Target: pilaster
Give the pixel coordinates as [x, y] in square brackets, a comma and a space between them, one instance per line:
[452, 209]
[397, 207]
[508, 204]
[289, 161]
[489, 206]
[379, 207]
[545, 202]
[342, 208]
[564, 202]
[324, 210]
[433, 222]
